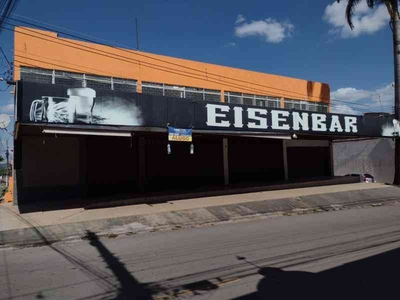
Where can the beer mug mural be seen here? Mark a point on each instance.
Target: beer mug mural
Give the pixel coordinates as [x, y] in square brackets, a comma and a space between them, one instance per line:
[77, 108]
[83, 100]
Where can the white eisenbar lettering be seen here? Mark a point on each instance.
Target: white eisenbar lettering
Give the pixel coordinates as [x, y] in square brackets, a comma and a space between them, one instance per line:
[335, 124]
[297, 121]
[277, 117]
[318, 122]
[238, 122]
[262, 122]
[212, 115]
[350, 124]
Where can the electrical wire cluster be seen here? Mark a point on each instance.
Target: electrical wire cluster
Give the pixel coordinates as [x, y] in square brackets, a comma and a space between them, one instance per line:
[142, 59]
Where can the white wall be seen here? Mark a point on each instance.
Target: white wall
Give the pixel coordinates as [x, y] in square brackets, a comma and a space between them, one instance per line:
[375, 156]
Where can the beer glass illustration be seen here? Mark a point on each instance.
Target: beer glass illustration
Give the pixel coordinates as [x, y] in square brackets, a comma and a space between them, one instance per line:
[52, 110]
[77, 108]
[38, 111]
[83, 101]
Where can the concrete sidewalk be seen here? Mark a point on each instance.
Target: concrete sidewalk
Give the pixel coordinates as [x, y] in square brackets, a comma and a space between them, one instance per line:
[51, 226]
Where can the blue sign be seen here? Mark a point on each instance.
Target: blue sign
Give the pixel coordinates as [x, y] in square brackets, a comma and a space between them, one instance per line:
[179, 135]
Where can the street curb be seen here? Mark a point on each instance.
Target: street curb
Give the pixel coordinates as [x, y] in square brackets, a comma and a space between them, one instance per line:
[230, 190]
[45, 235]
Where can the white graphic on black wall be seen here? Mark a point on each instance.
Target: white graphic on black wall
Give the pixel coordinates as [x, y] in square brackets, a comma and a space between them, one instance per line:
[81, 107]
[391, 130]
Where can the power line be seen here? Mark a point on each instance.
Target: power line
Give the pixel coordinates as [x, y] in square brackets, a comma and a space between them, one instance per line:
[73, 69]
[3, 90]
[248, 89]
[348, 102]
[7, 9]
[351, 105]
[206, 73]
[228, 77]
[67, 29]
[67, 67]
[152, 65]
[40, 61]
[339, 104]
[5, 56]
[137, 62]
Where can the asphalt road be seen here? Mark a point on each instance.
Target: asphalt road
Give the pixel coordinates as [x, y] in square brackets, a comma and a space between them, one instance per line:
[352, 253]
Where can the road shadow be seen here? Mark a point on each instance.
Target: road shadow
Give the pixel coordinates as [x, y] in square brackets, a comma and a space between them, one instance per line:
[129, 286]
[374, 277]
[121, 285]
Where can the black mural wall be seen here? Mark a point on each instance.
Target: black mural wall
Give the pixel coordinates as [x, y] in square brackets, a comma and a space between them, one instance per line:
[49, 103]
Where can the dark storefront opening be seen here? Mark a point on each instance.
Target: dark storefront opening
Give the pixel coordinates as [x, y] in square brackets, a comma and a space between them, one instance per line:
[309, 162]
[86, 168]
[142, 164]
[68, 167]
[255, 160]
[48, 168]
[181, 170]
[111, 165]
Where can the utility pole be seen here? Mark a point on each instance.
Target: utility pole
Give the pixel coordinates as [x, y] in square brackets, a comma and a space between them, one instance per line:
[7, 165]
[395, 22]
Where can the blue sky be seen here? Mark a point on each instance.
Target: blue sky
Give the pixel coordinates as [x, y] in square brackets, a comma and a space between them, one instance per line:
[306, 39]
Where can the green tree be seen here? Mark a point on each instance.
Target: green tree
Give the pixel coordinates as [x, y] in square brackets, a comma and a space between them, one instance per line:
[393, 10]
[1, 158]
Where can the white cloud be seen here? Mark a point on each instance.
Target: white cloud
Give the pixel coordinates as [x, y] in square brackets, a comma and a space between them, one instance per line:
[380, 99]
[365, 20]
[343, 109]
[7, 109]
[240, 19]
[270, 29]
[349, 93]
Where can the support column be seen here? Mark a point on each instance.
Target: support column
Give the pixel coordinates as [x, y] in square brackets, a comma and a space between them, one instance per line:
[17, 171]
[282, 102]
[331, 165]
[83, 168]
[285, 162]
[139, 86]
[142, 163]
[226, 160]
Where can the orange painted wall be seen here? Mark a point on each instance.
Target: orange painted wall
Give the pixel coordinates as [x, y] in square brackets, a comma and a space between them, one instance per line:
[9, 196]
[45, 49]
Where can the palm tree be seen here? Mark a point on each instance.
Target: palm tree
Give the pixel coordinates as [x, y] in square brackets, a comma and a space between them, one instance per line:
[393, 10]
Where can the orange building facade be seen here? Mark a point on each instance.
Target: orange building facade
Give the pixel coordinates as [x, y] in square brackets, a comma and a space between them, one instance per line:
[45, 50]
